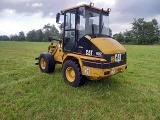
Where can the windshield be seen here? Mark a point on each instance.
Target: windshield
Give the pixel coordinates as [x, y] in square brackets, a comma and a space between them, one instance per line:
[105, 25]
[90, 22]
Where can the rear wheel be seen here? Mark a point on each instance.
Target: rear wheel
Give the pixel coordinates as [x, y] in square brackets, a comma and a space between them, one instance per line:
[72, 74]
[46, 63]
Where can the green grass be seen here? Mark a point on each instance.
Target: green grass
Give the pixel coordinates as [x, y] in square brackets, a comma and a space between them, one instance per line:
[26, 93]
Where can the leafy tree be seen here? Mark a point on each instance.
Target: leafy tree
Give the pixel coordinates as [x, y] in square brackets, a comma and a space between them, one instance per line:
[110, 32]
[39, 35]
[55, 32]
[145, 32]
[156, 30]
[34, 35]
[4, 38]
[47, 27]
[119, 37]
[22, 36]
[14, 37]
[31, 36]
[42, 34]
[46, 30]
[142, 32]
[128, 36]
[50, 31]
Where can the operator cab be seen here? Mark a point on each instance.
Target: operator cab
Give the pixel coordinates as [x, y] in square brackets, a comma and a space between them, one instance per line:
[81, 21]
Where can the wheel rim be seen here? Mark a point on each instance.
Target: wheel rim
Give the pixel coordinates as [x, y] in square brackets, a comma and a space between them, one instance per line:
[43, 63]
[70, 74]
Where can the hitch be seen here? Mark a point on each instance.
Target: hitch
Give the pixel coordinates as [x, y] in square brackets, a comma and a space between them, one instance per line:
[36, 63]
[37, 58]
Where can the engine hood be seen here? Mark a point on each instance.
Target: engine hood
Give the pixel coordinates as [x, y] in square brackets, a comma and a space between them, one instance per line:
[108, 45]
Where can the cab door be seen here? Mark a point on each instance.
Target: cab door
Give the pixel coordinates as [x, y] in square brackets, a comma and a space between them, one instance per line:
[69, 31]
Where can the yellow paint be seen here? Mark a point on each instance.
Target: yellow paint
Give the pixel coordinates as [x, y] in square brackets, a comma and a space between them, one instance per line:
[70, 74]
[105, 45]
[112, 59]
[97, 74]
[58, 53]
[43, 63]
[108, 45]
[80, 57]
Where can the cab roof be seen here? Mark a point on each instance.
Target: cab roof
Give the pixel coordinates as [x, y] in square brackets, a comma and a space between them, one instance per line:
[83, 5]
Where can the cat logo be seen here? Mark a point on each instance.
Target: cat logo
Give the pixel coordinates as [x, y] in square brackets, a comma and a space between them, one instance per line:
[118, 57]
[89, 52]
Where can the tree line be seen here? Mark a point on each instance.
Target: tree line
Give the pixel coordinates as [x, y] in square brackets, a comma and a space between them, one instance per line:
[40, 35]
[142, 33]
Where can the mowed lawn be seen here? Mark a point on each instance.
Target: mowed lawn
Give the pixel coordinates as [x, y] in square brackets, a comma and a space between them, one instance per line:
[28, 94]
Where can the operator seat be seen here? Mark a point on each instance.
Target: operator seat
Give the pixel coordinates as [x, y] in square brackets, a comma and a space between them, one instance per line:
[94, 27]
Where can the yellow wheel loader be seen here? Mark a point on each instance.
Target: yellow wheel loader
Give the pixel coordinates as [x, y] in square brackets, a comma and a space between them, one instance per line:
[86, 50]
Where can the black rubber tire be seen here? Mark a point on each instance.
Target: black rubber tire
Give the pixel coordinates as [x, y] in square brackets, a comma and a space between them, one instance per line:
[50, 63]
[79, 80]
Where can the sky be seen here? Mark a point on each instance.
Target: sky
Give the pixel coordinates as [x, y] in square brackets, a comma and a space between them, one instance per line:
[26, 15]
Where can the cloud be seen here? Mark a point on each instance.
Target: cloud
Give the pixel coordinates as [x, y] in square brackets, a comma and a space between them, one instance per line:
[82, 2]
[105, 2]
[9, 11]
[137, 8]
[22, 12]
[141, 8]
[37, 5]
[22, 23]
[47, 6]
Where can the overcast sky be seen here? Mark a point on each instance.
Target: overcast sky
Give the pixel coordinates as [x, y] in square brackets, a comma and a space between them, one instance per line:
[26, 15]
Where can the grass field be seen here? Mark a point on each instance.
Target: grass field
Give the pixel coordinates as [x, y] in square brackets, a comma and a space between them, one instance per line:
[26, 93]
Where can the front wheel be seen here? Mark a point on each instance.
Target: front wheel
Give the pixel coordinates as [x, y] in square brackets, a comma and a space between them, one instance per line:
[72, 74]
[46, 63]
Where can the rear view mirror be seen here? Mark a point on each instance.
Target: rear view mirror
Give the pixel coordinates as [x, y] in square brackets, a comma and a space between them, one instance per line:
[57, 17]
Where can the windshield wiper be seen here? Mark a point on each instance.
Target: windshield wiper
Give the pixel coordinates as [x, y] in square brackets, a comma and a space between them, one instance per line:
[93, 30]
[101, 28]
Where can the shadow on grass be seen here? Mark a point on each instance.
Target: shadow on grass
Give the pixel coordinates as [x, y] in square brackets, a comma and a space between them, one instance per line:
[110, 83]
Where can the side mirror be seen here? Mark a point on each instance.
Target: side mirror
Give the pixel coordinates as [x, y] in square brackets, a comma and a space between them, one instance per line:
[57, 17]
